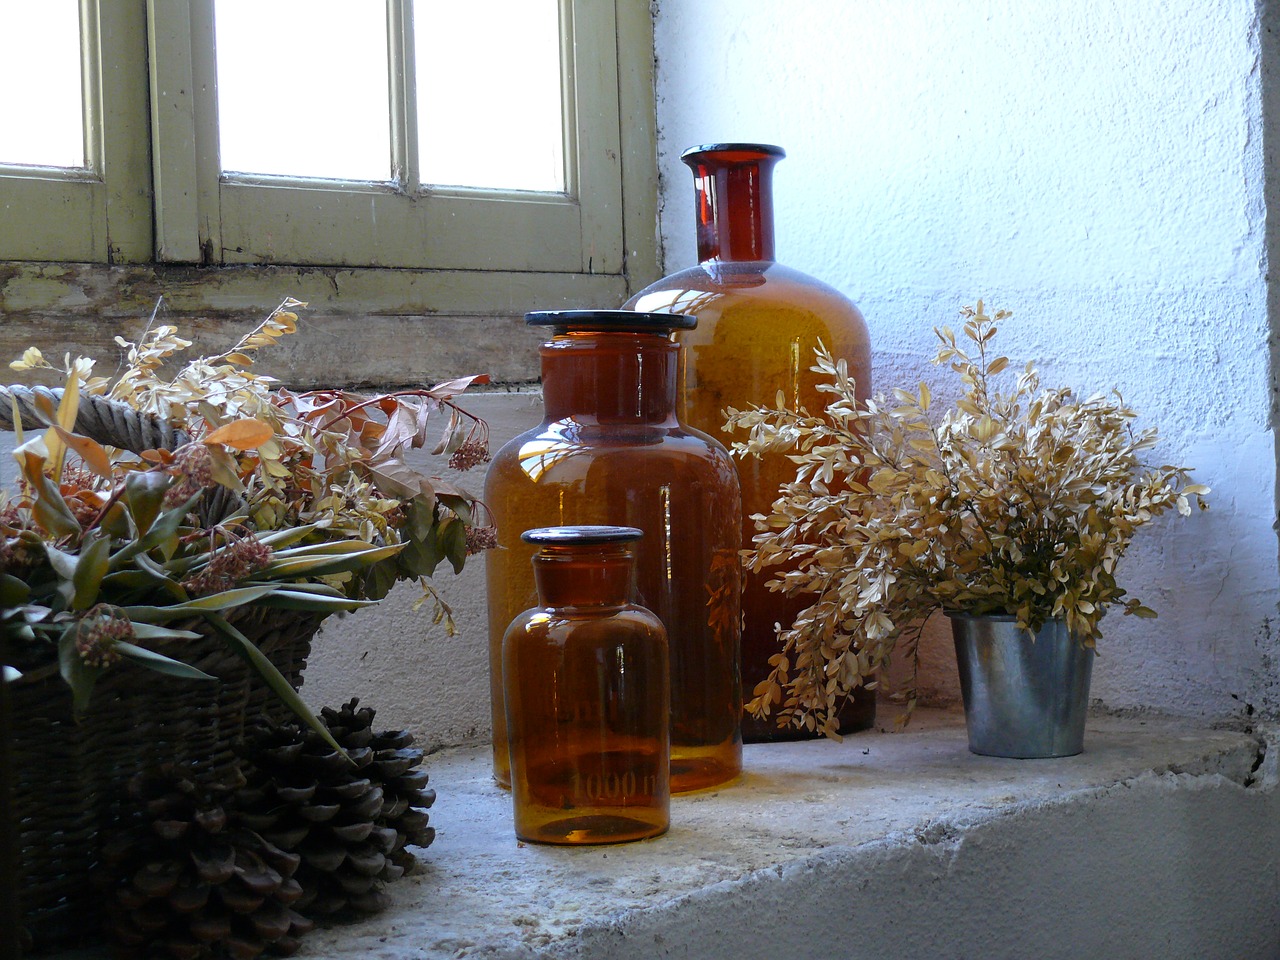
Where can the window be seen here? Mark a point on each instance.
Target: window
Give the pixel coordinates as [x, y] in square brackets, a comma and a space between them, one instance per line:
[52, 207]
[212, 132]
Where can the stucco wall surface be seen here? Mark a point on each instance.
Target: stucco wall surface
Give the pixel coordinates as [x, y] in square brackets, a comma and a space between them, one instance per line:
[1095, 167]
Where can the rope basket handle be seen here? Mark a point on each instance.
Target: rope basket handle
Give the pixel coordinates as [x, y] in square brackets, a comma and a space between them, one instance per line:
[110, 422]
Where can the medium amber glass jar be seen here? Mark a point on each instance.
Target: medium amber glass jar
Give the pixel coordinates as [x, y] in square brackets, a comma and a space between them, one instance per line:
[611, 451]
[758, 325]
[587, 695]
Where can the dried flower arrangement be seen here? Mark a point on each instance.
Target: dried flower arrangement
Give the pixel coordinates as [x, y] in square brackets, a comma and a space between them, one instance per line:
[295, 500]
[1019, 502]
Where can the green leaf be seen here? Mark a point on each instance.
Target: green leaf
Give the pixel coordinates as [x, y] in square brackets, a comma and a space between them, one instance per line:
[210, 604]
[166, 527]
[52, 512]
[115, 522]
[453, 539]
[421, 557]
[298, 600]
[150, 631]
[80, 677]
[318, 589]
[12, 591]
[458, 504]
[243, 646]
[421, 519]
[144, 493]
[64, 564]
[327, 549]
[381, 577]
[90, 568]
[49, 509]
[161, 532]
[131, 579]
[158, 576]
[276, 539]
[309, 566]
[160, 663]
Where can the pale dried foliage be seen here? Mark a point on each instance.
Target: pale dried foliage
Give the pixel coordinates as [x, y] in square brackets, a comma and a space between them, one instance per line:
[333, 458]
[1019, 501]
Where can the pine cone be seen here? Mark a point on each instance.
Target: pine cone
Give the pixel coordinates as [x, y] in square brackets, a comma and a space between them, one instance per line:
[306, 797]
[395, 767]
[188, 882]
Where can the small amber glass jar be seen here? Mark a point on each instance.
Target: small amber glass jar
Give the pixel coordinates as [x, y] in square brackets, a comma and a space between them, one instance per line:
[587, 695]
[612, 451]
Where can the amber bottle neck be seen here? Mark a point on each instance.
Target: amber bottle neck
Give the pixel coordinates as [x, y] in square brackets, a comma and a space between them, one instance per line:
[733, 195]
[597, 575]
[610, 377]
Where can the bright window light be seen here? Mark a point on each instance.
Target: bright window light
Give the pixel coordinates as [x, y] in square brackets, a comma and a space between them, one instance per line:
[489, 101]
[302, 88]
[42, 117]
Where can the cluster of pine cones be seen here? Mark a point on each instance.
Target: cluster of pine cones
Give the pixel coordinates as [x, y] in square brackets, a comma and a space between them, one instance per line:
[237, 870]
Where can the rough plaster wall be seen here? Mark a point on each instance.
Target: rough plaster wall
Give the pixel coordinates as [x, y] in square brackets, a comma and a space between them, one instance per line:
[1097, 168]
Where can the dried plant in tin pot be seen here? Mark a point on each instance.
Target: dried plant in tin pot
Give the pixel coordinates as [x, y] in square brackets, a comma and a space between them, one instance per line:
[1016, 504]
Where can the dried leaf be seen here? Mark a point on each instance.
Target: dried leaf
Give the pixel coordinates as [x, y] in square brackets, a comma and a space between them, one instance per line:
[246, 434]
[91, 452]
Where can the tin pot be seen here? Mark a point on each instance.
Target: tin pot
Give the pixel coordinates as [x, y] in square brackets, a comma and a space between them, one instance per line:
[1025, 695]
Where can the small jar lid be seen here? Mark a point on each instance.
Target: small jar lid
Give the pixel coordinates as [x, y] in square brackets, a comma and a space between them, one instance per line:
[585, 534]
[611, 320]
[768, 149]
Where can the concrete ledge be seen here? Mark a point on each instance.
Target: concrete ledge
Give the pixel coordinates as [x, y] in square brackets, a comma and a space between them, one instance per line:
[1160, 840]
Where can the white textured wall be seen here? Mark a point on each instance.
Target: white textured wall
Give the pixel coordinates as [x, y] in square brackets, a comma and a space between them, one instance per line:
[1095, 167]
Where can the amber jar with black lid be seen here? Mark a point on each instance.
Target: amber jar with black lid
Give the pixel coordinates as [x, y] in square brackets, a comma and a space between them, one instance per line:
[758, 324]
[587, 695]
[611, 451]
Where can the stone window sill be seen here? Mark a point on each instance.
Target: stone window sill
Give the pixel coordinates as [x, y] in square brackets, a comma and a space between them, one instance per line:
[1161, 839]
[822, 845]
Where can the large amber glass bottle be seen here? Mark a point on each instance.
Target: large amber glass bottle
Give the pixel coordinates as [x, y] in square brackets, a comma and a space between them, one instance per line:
[587, 695]
[612, 451]
[758, 324]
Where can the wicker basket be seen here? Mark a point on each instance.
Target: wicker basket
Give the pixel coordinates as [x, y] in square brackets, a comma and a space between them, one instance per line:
[69, 776]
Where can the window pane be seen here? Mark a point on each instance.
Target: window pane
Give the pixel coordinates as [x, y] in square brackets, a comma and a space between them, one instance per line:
[489, 101]
[302, 88]
[42, 120]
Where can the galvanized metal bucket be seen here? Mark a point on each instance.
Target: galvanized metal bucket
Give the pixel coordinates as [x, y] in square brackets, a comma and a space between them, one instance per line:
[1024, 695]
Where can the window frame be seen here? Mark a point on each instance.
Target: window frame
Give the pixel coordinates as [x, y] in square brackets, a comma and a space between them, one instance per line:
[507, 259]
[101, 213]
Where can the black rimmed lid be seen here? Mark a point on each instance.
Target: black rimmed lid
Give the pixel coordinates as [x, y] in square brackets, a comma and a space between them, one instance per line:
[768, 149]
[611, 320]
[587, 534]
